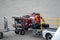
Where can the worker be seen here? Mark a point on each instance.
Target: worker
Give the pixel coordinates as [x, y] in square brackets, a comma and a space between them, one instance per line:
[26, 22]
[33, 20]
[38, 20]
[29, 21]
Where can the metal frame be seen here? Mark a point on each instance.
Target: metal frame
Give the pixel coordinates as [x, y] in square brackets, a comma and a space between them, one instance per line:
[56, 23]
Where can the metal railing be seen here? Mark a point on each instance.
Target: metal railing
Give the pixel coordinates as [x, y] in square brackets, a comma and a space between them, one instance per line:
[57, 21]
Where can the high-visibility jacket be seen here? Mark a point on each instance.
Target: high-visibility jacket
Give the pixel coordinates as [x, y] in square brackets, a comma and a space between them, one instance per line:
[37, 19]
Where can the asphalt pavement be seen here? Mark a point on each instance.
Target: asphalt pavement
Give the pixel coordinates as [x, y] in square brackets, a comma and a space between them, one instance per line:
[28, 36]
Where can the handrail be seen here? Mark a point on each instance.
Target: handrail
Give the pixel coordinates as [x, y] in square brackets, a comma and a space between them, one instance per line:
[55, 19]
[52, 19]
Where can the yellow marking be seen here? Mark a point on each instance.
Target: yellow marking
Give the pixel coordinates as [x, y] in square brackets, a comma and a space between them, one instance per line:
[55, 19]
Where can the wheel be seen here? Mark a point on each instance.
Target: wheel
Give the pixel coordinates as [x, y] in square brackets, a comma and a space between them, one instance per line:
[48, 37]
[1, 35]
[16, 31]
[22, 32]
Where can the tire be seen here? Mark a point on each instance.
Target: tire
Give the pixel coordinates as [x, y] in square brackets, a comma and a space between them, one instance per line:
[16, 31]
[22, 32]
[48, 37]
[1, 35]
